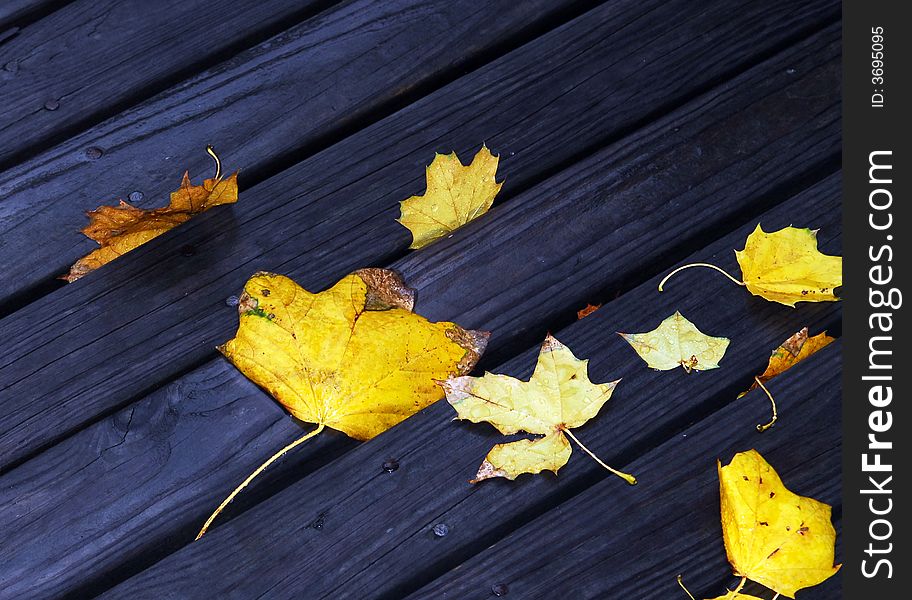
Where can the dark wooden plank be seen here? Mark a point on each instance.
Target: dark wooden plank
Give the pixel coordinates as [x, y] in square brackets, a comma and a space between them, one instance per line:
[90, 59]
[124, 493]
[230, 404]
[375, 540]
[262, 108]
[12, 10]
[151, 315]
[15, 13]
[613, 541]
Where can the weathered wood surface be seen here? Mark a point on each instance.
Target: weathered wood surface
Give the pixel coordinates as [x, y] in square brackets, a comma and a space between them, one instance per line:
[375, 537]
[361, 64]
[142, 436]
[101, 328]
[90, 59]
[612, 541]
[16, 14]
[631, 134]
[263, 109]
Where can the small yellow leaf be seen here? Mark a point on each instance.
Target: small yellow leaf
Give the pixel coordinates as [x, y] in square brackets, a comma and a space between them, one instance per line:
[456, 194]
[676, 342]
[773, 536]
[354, 357]
[119, 229]
[557, 398]
[789, 353]
[786, 267]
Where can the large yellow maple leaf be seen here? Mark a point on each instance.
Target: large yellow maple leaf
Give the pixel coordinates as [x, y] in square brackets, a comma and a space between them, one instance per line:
[772, 535]
[784, 266]
[354, 357]
[557, 398]
[456, 194]
[119, 229]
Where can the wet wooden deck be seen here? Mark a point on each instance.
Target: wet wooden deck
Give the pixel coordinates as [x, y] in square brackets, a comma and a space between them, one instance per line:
[634, 135]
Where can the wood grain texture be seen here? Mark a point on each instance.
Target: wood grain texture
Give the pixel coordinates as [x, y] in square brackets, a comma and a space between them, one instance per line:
[376, 538]
[90, 58]
[296, 93]
[257, 108]
[613, 541]
[14, 14]
[126, 329]
[477, 282]
[136, 486]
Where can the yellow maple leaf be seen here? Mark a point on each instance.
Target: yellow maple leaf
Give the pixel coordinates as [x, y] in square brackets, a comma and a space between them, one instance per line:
[792, 351]
[456, 194]
[773, 536]
[354, 357]
[119, 229]
[677, 342]
[783, 266]
[557, 398]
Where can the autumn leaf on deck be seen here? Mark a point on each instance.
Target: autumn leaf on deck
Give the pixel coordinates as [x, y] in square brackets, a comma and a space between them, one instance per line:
[677, 342]
[788, 354]
[772, 536]
[354, 357]
[456, 194]
[784, 266]
[588, 310]
[119, 229]
[558, 398]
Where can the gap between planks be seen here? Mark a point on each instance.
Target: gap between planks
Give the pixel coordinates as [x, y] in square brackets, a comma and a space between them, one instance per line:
[275, 145]
[190, 504]
[438, 456]
[128, 324]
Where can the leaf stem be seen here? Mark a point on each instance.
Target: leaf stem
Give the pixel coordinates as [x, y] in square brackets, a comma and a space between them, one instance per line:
[628, 478]
[681, 268]
[762, 428]
[251, 477]
[776, 596]
[218, 163]
[738, 589]
[686, 591]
